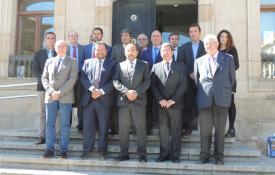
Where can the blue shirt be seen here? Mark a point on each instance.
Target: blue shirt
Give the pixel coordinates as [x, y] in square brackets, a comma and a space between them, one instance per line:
[195, 47]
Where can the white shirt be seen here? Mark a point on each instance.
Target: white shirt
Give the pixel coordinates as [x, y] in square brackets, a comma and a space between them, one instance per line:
[97, 62]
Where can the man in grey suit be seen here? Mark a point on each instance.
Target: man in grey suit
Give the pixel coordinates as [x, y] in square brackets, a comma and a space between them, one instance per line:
[131, 80]
[169, 83]
[97, 100]
[58, 79]
[39, 61]
[76, 51]
[215, 76]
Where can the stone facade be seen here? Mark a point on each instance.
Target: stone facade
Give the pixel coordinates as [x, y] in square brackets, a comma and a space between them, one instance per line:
[255, 96]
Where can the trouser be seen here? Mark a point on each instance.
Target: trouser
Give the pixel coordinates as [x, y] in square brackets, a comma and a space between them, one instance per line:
[137, 115]
[208, 118]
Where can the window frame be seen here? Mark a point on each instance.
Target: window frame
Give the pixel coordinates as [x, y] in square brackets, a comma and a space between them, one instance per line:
[38, 15]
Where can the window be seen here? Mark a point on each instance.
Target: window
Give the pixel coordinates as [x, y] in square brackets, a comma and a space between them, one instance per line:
[267, 29]
[35, 18]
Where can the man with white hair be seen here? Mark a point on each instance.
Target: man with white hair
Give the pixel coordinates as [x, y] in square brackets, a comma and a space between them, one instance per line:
[58, 79]
[214, 76]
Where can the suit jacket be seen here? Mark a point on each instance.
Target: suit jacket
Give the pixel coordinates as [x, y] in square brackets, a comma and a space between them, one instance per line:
[147, 55]
[80, 55]
[140, 83]
[218, 87]
[118, 53]
[187, 55]
[106, 81]
[88, 51]
[63, 80]
[179, 55]
[234, 53]
[173, 87]
[39, 61]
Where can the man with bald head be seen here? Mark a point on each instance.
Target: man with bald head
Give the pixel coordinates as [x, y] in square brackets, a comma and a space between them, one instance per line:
[152, 56]
[132, 79]
[97, 99]
[142, 41]
[58, 78]
[214, 75]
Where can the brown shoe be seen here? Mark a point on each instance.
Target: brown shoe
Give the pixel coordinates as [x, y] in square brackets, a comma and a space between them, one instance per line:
[40, 141]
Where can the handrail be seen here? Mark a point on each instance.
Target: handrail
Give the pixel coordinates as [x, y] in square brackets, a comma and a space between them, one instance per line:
[18, 85]
[18, 96]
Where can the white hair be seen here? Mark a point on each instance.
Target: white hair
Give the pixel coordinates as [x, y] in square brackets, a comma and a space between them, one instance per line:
[58, 43]
[210, 37]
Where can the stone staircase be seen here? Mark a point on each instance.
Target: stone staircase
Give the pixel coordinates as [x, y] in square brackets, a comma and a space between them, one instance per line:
[17, 150]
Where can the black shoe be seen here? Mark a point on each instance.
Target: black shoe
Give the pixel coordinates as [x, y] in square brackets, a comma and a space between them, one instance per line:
[230, 133]
[84, 156]
[79, 128]
[64, 155]
[123, 158]
[187, 132]
[142, 159]
[48, 154]
[40, 141]
[176, 160]
[203, 161]
[161, 159]
[219, 162]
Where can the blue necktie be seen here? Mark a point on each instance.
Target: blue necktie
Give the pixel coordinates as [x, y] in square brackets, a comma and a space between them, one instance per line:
[155, 53]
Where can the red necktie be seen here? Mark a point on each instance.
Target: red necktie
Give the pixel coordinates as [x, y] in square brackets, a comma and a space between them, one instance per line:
[74, 52]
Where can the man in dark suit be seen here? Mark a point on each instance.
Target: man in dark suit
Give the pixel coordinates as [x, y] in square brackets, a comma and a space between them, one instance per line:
[118, 50]
[142, 42]
[132, 79]
[39, 61]
[215, 76]
[97, 99]
[152, 56]
[58, 79]
[177, 51]
[169, 83]
[76, 51]
[96, 36]
[191, 51]
[118, 54]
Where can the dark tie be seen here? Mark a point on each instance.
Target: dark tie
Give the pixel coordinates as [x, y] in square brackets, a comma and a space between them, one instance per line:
[166, 69]
[97, 74]
[57, 66]
[155, 53]
[131, 70]
[74, 52]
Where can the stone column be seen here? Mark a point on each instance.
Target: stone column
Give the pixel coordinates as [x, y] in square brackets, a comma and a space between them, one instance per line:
[7, 34]
[83, 16]
[206, 16]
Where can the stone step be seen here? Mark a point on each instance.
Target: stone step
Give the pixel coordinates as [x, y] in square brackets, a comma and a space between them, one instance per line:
[110, 165]
[234, 152]
[77, 137]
